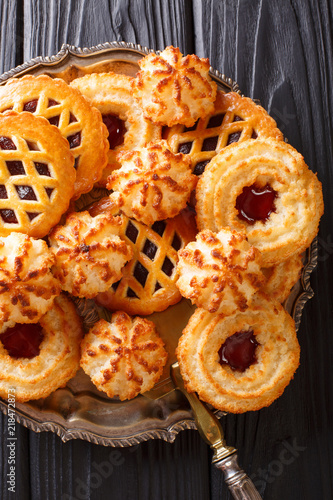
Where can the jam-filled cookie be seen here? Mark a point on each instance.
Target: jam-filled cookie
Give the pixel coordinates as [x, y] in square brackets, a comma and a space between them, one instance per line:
[27, 286]
[66, 108]
[174, 89]
[36, 359]
[219, 272]
[112, 95]
[148, 282]
[36, 174]
[88, 252]
[124, 357]
[262, 187]
[240, 362]
[281, 278]
[234, 119]
[152, 184]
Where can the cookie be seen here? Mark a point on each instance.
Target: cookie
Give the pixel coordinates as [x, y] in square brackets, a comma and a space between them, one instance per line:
[234, 119]
[37, 359]
[112, 95]
[281, 278]
[124, 357]
[66, 108]
[240, 362]
[149, 278]
[265, 189]
[219, 272]
[27, 285]
[36, 174]
[88, 253]
[174, 89]
[152, 184]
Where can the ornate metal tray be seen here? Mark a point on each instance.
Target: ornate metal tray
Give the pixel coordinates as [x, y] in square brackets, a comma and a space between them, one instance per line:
[79, 410]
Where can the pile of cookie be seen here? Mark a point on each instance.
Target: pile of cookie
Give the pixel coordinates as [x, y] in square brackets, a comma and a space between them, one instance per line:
[205, 201]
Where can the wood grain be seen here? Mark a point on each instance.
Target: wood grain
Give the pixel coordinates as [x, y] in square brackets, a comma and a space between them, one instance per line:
[280, 53]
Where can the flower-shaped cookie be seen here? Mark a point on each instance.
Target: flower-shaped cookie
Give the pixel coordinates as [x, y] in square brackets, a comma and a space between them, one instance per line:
[89, 254]
[125, 357]
[152, 183]
[27, 286]
[173, 89]
[219, 272]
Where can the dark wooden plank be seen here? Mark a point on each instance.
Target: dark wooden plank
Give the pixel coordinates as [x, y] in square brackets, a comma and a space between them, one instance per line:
[11, 34]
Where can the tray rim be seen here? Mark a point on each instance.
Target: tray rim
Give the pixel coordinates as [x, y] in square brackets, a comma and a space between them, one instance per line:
[170, 432]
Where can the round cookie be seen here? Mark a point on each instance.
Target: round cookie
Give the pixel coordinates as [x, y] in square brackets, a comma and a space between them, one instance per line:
[36, 174]
[240, 362]
[112, 95]
[125, 357]
[262, 187]
[47, 366]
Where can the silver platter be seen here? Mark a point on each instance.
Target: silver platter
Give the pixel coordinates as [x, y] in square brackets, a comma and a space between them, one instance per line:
[79, 410]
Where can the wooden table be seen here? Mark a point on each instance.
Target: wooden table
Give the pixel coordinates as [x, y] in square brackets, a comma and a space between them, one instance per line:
[281, 53]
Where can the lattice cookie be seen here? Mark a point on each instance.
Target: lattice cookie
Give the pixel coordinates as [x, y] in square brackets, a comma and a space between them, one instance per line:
[234, 119]
[112, 95]
[149, 279]
[36, 174]
[66, 108]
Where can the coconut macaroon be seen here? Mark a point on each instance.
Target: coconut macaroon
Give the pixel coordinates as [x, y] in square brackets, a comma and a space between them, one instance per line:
[153, 183]
[219, 272]
[240, 362]
[281, 278]
[174, 89]
[124, 357]
[88, 252]
[27, 286]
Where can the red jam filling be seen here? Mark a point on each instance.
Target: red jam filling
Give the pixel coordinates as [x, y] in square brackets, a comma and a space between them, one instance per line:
[116, 128]
[256, 203]
[23, 341]
[238, 351]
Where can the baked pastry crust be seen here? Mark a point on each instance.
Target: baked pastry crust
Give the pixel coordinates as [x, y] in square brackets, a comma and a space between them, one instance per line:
[57, 362]
[174, 89]
[220, 272]
[281, 278]
[149, 278]
[36, 174]
[27, 286]
[89, 254]
[112, 94]
[293, 224]
[234, 119]
[124, 357]
[77, 120]
[235, 391]
[152, 184]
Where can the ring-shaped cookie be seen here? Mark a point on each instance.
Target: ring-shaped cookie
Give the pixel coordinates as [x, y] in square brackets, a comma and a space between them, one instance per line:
[57, 361]
[233, 390]
[272, 166]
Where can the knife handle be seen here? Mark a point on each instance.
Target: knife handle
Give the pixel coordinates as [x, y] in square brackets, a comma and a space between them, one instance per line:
[240, 485]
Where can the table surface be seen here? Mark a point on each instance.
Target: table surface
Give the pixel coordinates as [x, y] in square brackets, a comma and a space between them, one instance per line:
[280, 53]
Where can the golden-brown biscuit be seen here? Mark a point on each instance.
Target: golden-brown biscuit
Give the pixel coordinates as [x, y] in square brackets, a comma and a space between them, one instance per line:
[36, 174]
[262, 187]
[234, 119]
[152, 184]
[240, 362]
[125, 357]
[89, 254]
[174, 89]
[50, 349]
[66, 108]
[149, 278]
[112, 95]
[27, 286]
[220, 272]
